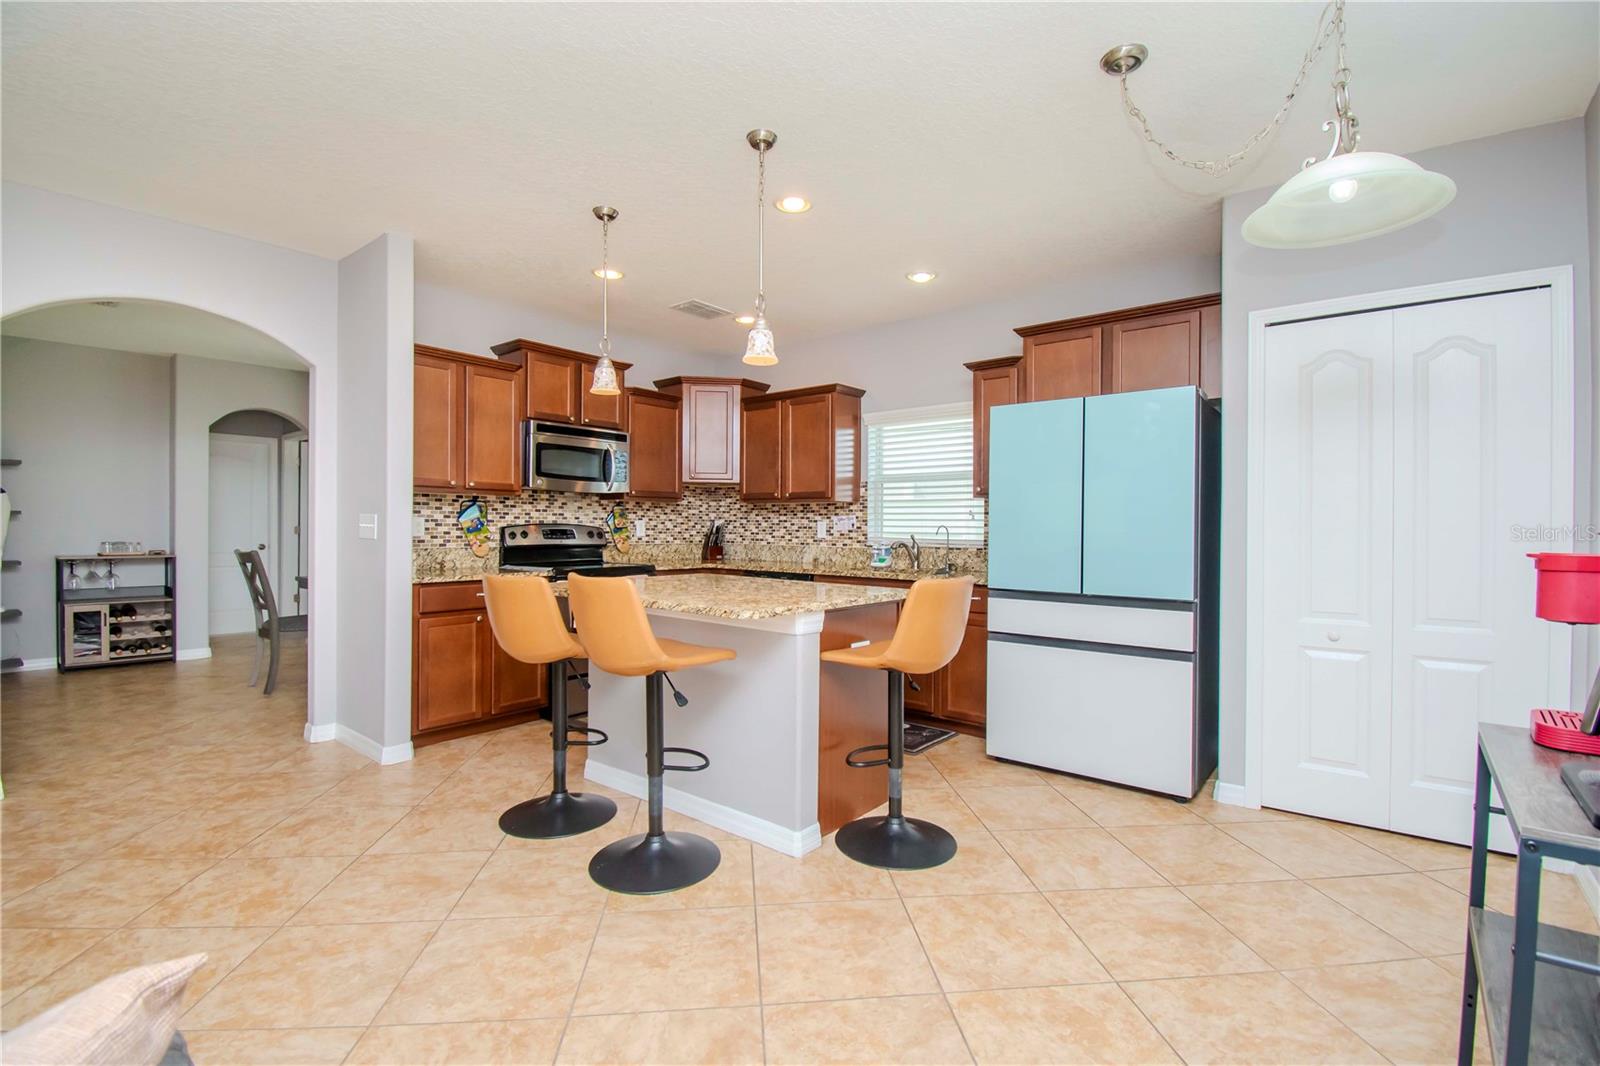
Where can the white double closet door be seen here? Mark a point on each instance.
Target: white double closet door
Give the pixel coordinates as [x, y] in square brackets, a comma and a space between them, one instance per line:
[1401, 449]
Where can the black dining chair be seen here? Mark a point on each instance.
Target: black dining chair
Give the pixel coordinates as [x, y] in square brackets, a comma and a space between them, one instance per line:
[266, 608]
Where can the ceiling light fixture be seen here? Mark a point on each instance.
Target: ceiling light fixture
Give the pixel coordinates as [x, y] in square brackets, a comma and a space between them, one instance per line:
[921, 277]
[758, 347]
[1349, 195]
[604, 382]
[607, 274]
[793, 205]
[745, 320]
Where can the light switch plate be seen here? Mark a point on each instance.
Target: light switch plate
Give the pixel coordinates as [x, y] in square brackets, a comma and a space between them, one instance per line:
[844, 523]
[367, 526]
[638, 529]
[822, 529]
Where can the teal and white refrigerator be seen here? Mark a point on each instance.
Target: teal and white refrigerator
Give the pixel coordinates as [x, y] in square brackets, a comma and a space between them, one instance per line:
[1103, 545]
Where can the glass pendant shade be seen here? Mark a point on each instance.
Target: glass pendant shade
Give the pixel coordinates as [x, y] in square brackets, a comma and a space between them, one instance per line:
[605, 378]
[758, 347]
[1348, 197]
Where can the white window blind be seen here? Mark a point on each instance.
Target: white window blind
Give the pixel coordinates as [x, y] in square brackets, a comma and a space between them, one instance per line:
[919, 475]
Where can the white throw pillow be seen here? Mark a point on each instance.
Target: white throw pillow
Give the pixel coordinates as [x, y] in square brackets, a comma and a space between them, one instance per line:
[126, 1020]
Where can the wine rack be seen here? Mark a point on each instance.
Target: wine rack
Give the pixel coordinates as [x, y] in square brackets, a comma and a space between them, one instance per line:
[106, 626]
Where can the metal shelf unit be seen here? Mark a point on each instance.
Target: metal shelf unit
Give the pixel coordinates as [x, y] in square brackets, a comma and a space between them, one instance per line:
[84, 623]
[1537, 982]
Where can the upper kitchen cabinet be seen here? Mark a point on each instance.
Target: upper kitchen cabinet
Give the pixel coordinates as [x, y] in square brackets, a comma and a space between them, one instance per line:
[1152, 347]
[711, 425]
[802, 444]
[995, 382]
[655, 444]
[558, 381]
[466, 412]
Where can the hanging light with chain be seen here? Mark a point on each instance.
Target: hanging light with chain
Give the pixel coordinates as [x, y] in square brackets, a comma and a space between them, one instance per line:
[1349, 195]
[758, 347]
[605, 372]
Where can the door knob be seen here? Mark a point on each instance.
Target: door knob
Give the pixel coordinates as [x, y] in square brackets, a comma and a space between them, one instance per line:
[261, 547]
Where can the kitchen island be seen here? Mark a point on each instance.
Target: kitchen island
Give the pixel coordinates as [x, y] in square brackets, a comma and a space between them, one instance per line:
[775, 722]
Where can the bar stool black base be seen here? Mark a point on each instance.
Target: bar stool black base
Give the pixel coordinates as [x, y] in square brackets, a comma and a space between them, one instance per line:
[561, 814]
[643, 865]
[896, 843]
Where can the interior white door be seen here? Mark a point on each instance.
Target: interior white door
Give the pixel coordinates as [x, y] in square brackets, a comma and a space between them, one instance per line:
[1402, 449]
[1473, 383]
[242, 515]
[1327, 603]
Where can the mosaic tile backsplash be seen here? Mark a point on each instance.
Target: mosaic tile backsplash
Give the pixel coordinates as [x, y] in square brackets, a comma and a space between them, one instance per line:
[673, 528]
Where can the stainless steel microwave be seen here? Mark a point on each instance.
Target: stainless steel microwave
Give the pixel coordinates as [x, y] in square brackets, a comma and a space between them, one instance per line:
[561, 458]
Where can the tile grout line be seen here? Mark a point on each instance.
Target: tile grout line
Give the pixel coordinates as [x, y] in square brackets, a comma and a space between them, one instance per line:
[583, 971]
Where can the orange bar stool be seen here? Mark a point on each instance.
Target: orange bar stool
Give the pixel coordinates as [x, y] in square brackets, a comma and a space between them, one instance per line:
[526, 620]
[614, 628]
[926, 639]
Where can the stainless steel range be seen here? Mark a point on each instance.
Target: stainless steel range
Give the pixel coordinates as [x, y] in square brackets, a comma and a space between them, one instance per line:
[559, 549]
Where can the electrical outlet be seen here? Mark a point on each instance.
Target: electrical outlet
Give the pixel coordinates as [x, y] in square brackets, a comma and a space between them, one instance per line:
[822, 529]
[419, 527]
[638, 529]
[844, 523]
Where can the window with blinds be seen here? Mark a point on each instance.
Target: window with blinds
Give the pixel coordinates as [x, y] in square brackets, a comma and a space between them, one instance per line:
[919, 475]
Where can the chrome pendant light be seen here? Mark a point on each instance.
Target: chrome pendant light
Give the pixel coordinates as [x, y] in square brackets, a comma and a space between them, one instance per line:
[605, 372]
[758, 347]
[1349, 195]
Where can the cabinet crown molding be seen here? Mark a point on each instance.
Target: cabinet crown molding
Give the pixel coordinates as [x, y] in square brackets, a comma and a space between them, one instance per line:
[513, 361]
[1191, 303]
[994, 364]
[810, 390]
[523, 345]
[692, 379]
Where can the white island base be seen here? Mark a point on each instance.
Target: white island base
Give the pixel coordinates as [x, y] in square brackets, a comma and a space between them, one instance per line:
[775, 722]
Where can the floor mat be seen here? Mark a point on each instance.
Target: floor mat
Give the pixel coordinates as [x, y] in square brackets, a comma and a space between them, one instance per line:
[919, 738]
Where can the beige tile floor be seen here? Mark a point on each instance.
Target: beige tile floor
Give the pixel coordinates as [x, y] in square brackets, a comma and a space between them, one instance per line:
[377, 915]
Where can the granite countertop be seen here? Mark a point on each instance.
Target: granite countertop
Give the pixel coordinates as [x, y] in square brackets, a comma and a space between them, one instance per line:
[750, 598]
[825, 570]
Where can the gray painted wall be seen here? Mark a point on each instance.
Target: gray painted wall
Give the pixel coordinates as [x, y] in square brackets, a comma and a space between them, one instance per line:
[917, 362]
[1521, 204]
[93, 430]
[464, 322]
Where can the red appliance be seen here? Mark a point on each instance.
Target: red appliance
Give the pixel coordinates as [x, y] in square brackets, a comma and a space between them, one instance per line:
[1568, 590]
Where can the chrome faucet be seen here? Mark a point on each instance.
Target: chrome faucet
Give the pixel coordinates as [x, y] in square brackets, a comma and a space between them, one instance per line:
[946, 568]
[913, 551]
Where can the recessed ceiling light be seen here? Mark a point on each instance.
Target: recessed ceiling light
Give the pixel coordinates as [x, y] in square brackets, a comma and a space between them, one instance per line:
[608, 275]
[921, 277]
[794, 205]
[746, 320]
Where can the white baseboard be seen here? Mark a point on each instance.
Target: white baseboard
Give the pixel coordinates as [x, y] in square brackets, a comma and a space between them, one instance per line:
[316, 734]
[794, 842]
[186, 654]
[33, 664]
[1232, 795]
[383, 756]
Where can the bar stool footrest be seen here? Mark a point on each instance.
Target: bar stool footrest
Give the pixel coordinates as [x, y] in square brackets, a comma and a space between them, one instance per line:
[862, 764]
[574, 730]
[705, 760]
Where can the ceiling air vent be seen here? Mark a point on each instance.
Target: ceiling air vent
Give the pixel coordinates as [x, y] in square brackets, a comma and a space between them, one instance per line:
[701, 309]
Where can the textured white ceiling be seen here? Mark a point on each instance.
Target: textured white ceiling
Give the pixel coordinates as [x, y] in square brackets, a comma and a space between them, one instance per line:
[151, 328]
[979, 141]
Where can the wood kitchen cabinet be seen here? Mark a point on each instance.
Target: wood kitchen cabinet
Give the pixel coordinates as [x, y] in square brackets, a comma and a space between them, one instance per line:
[558, 381]
[655, 443]
[460, 677]
[711, 426]
[994, 382]
[802, 444]
[1151, 347]
[466, 422]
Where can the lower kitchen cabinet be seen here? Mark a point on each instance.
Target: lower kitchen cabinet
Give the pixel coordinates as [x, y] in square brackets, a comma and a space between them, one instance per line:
[959, 692]
[460, 676]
